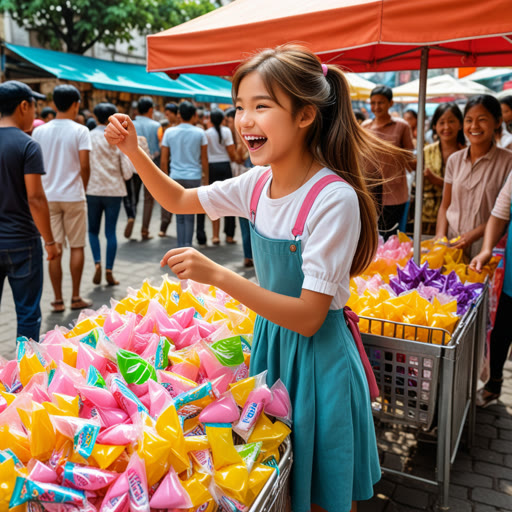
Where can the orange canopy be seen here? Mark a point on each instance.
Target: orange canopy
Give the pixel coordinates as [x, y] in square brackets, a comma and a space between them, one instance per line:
[362, 35]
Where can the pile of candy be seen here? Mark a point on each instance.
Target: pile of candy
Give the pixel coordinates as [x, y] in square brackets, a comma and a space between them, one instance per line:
[145, 405]
[435, 294]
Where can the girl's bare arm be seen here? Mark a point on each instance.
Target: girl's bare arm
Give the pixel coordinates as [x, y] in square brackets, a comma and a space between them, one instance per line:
[171, 195]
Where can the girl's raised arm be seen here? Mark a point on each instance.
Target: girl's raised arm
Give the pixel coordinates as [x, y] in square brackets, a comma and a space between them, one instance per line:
[169, 194]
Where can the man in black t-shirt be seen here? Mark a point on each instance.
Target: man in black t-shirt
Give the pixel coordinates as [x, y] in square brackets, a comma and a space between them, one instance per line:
[24, 215]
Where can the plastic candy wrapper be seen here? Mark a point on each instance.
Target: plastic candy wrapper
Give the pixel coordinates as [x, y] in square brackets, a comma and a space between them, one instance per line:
[86, 478]
[222, 410]
[412, 276]
[256, 401]
[40, 492]
[220, 437]
[82, 432]
[154, 450]
[134, 368]
[249, 453]
[280, 405]
[170, 493]
[270, 434]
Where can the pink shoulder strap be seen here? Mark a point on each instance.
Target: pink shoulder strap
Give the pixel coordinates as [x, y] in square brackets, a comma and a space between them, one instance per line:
[298, 229]
[256, 193]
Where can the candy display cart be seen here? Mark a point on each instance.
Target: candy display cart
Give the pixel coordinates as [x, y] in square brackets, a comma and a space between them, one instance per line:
[431, 383]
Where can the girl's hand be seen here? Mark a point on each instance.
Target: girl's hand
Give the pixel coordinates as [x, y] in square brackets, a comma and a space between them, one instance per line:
[121, 132]
[187, 263]
[480, 260]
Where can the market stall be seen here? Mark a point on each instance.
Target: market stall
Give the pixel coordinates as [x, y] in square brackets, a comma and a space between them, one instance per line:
[371, 35]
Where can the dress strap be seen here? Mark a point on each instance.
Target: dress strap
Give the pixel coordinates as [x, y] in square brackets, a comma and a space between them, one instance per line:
[298, 229]
[256, 193]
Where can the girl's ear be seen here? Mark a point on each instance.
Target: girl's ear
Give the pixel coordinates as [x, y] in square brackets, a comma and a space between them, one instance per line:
[307, 116]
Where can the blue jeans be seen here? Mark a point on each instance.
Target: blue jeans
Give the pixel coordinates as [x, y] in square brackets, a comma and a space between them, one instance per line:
[96, 205]
[185, 223]
[246, 237]
[23, 267]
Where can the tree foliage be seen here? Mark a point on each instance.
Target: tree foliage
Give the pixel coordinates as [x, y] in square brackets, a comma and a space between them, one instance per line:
[76, 25]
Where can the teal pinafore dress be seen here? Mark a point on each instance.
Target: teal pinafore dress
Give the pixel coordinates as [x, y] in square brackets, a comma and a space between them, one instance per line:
[333, 436]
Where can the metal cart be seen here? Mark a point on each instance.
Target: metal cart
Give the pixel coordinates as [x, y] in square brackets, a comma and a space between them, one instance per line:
[275, 494]
[425, 382]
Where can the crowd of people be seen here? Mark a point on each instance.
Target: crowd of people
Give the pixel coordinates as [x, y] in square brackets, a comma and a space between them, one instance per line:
[66, 178]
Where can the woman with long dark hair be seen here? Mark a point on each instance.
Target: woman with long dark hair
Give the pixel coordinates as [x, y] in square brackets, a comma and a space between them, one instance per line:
[446, 124]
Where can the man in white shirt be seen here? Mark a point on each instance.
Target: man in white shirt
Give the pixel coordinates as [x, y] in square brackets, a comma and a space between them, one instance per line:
[66, 146]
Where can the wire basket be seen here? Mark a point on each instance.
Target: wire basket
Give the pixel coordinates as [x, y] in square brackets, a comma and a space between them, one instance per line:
[275, 495]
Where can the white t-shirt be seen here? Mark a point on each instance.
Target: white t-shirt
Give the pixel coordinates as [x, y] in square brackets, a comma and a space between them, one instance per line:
[330, 236]
[61, 140]
[217, 150]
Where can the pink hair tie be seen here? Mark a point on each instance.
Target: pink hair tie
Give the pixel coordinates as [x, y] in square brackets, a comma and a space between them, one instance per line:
[325, 69]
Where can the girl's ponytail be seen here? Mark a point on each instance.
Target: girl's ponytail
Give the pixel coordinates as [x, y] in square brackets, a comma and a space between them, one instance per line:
[355, 154]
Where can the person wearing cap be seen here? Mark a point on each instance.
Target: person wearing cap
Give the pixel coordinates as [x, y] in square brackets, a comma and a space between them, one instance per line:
[66, 146]
[24, 213]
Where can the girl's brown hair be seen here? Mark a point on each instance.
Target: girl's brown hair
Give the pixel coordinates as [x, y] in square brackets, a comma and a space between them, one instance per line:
[335, 138]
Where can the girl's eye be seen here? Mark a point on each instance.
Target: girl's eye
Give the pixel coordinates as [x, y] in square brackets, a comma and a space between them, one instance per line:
[238, 108]
[261, 106]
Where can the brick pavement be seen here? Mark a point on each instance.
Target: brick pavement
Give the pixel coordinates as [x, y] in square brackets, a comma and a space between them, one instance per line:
[481, 479]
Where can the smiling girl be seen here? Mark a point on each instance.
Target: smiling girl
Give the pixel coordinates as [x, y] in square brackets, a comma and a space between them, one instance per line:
[474, 177]
[313, 225]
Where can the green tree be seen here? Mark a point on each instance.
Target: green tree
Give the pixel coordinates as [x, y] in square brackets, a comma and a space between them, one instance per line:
[76, 25]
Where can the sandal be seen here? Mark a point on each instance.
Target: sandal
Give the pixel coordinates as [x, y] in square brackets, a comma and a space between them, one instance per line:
[485, 398]
[111, 281]
[230, 240]
[79, 303]
[248, 263]
[97, 274]
[145, 235]
[57, 306]
[215, 241]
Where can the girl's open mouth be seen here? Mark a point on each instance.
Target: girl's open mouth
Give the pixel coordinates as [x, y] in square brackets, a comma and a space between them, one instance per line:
[255, 141]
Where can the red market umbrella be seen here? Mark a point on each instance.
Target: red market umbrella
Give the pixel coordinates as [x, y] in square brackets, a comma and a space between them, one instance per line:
[361, 35]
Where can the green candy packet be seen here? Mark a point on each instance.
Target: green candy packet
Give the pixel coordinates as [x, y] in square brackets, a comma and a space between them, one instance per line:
[229, 351]
[249, 453]
[133, 368]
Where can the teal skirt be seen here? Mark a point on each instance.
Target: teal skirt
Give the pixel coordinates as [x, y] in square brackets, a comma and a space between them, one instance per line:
[333, 436]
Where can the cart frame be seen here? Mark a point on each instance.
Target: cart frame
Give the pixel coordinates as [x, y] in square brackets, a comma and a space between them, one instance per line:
[453, 381]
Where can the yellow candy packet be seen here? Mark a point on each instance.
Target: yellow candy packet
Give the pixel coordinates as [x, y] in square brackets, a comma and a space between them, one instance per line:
[168, 427]
[220, 437]
[234, 481]
[270, 434]
[258, 477]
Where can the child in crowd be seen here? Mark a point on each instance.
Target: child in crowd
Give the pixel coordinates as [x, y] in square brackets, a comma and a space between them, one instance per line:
[313, 225]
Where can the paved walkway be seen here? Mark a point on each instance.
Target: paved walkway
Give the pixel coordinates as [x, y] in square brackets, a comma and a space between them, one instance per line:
[481, 477]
